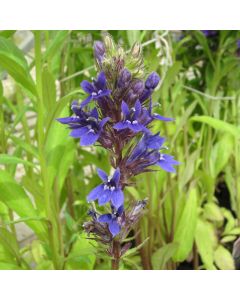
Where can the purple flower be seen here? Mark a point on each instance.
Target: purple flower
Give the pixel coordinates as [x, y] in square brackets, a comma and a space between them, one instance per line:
[85, 126]
[146, 153]
[109, 190]
[166, 162]
[113, 220]
[147, 116]
[148, 141]
[131, 118]
[96, 90]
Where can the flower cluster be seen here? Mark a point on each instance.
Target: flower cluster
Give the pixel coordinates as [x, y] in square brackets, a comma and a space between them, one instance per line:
[117, 113]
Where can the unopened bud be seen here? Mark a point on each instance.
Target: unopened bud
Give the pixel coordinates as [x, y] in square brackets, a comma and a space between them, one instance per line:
[109, 43]
[152, 81]
[99, 51]
[124, 78]
[136, 50]
[138, 87]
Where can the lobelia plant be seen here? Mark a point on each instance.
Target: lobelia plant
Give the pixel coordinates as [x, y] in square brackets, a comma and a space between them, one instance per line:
[118, 115]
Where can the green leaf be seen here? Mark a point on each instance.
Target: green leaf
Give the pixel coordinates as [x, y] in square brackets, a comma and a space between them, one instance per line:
[9, 159]
[206, 241]
[133, 36]
[26, 146]
[213, 212]
[223, 259]
[220, 154]
[170, 77]
[231, 222]
[185, 230]
[235, 231]
[204, 43]
[38, 252]
[14, 196]
[218, 125]
[189, 168]
[228, 238]
[45, 265]
[133, 191]
[60, 151]
[134, 250]
[163, 255]
[14, 62]
[49, 90]
[9, 266]
[55, 44]
[9, 247]
[7, 33]
[82, 255]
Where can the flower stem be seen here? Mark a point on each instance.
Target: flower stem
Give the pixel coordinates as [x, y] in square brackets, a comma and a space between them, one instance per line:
[116, 248]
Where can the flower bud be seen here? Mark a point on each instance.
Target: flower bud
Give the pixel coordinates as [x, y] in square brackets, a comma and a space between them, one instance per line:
[138, 87]
[124, 78]
[136, 50]
[152, 81]
[99, 51]
[109, 44]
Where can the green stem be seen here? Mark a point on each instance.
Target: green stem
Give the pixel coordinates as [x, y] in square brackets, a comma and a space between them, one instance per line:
[50, 207]
[2, 132]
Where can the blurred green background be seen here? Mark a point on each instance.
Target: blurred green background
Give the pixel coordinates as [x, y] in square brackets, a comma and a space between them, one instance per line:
[192, 217]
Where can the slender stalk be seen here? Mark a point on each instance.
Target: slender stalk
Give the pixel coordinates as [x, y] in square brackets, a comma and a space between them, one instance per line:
[195, 257]
[25, 130]
[142, 251]
[150, 221]
[3, 140]
[50, 211]
[116, 248]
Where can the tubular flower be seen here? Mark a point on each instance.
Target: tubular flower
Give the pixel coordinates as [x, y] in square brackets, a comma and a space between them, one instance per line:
[85, 125]
[96, 90]
[109, 190]
[131, 118]
[113, 220]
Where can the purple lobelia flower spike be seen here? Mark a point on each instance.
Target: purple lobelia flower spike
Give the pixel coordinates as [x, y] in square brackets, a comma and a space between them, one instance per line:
[96, 90]
[121, 122]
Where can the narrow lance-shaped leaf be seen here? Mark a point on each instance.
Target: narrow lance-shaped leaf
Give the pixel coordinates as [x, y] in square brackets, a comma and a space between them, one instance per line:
[14, 196]
[185, 230]
[14, 62]
[218, 125]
